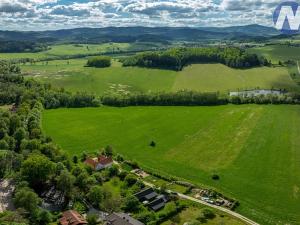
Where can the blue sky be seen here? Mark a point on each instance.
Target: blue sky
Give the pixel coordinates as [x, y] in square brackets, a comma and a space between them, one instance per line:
[60, 14]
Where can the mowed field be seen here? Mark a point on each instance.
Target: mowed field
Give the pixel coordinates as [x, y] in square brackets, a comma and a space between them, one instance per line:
[73, 76]
[254, 149]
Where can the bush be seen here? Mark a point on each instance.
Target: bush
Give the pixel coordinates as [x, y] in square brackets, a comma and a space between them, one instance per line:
[99, 62]
[208, 214]
[130, 180]
[215, 177]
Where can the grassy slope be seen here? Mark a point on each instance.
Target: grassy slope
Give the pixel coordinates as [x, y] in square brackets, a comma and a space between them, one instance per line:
[209, 77]
[204, 77]
[278, 52]
[254, 149]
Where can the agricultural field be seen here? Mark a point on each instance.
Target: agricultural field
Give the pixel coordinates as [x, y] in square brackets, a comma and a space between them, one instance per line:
[278, 53]
[79, 49]
[254, 149]
[73, 76]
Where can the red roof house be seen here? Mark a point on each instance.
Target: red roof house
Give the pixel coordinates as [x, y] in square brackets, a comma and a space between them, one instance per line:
[72, 217]
[100, 162]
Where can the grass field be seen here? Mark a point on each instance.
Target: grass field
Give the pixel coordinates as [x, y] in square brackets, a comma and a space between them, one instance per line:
[73, 76]
[254, 149]
[278, 53]
[69, 49]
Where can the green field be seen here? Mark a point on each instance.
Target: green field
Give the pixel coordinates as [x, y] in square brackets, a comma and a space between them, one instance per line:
[278, 53]
[70, 50]
[254, 149]
[73, 76]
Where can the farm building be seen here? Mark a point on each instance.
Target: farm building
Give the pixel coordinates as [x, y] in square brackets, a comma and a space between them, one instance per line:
[121, 219]
[72, 217]
[100, 162]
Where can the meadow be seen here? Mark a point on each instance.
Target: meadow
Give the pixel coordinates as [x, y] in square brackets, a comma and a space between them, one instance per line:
[69, 50]
[73, 76]
[254, 149]
[278, 53]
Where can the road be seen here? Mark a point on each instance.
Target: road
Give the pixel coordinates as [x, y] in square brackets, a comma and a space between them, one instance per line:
[234, 214]
[298, 67]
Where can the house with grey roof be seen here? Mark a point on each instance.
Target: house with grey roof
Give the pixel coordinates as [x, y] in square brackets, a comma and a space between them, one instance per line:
[146, 195]
[121, 219]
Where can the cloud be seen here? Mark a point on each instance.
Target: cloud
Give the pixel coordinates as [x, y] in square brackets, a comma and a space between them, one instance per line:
[55, 14]
[69, 11]
[12, 7]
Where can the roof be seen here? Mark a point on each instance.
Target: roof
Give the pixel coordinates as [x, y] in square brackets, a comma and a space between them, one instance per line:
[103, 160]
[72, 217]
[91, 162]
[122, 219]
[158, 203]
[146, 194]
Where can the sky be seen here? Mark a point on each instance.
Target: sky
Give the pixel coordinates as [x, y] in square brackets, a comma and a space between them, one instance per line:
[64, 14]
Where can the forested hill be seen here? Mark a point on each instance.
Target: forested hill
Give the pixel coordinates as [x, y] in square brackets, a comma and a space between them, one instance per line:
[132, 34]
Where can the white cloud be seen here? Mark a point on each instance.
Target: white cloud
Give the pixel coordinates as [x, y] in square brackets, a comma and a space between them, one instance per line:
[54, 14]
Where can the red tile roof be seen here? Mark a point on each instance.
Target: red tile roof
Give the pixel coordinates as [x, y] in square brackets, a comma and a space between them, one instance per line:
[103, 160]
[92, 162]
[72, 217]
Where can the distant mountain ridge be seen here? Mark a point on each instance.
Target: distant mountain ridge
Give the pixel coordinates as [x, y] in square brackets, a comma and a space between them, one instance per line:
[132, 34]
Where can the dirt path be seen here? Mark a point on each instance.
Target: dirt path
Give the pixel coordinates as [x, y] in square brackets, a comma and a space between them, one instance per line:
[6, 191]
[234, 214]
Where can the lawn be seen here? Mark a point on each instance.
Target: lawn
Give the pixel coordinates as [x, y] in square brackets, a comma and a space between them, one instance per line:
[73, 76]
[254, 149]
[192, 213]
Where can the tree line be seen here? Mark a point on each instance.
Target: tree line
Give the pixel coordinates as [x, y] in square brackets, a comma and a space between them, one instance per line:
[178, 58]
[21, 46]
[14, 89]
[194, 98]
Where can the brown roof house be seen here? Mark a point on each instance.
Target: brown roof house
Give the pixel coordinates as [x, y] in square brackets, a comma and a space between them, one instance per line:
[100, 162]
[72, 217]
[121, 219]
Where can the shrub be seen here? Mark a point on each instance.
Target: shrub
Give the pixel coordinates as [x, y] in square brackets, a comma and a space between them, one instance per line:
[215, 177]
[99, 62]
[208, 214]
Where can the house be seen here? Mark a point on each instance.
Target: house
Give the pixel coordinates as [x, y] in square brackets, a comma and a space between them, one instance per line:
[158, 203]
[150, 198]
[121, 219]
[146, 195]
[100, 162]
[72, 217]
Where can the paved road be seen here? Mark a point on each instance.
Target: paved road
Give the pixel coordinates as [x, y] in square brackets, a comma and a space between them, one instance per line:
[234, 214]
